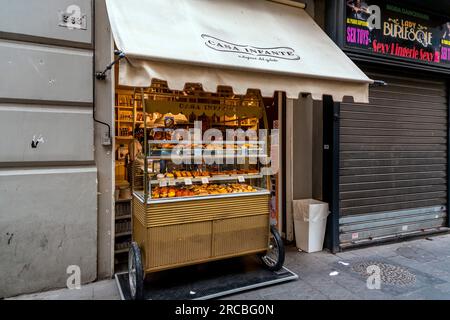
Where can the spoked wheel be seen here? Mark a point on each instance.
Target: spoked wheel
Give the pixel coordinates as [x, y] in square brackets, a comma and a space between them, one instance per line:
[135, 272]
[274, 257]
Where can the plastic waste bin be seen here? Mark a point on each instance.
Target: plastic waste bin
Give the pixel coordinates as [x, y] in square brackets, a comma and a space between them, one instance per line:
[310, 220]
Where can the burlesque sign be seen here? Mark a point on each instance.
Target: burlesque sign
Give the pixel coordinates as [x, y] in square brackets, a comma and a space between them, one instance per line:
[390, 29]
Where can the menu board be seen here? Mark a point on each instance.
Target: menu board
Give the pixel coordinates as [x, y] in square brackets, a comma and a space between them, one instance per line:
[392, 29]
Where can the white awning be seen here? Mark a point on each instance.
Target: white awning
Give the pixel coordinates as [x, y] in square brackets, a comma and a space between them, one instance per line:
[255, 44]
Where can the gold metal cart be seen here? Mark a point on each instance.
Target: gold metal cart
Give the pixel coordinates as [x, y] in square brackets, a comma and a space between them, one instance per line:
[184, 213]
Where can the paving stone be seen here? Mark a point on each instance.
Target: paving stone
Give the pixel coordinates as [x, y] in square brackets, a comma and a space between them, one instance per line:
[107, 290]
[428, 293]
[252, 295]
[445, 288]
[384, 252]
[329, 286]
[408, 263]
[374, 295]
[346, 255]
[438, 269]
[309, 294]
[414, 252]
[336, 292]
[283, 287]
[304, 268]
[352, 283]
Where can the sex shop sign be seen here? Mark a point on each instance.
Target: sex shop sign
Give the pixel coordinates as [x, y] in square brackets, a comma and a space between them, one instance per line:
[391, 29]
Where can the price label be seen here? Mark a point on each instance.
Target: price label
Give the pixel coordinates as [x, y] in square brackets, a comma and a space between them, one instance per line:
[205, 180]
[163, 183]
[172, 183]
[188, 181]
[241, 179]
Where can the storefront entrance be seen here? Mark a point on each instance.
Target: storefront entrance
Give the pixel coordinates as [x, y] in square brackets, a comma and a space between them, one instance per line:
[213, 81]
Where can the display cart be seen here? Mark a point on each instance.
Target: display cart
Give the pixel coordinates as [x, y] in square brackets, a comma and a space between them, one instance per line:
[188, 207]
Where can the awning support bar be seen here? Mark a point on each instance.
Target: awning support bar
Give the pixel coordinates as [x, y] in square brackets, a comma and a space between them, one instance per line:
[102, 75]
[291, 3]
[379, 83]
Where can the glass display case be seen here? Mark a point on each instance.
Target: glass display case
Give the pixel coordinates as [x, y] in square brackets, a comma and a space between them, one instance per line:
[215, 150]
[185, 170]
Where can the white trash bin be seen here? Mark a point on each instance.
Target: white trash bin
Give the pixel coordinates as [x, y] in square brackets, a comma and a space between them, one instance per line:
[310, 220]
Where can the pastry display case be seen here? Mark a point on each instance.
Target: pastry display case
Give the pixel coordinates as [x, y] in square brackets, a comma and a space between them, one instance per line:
[199, 189]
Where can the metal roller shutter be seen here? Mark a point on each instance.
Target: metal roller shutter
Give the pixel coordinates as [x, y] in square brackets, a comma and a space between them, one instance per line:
[393, 161]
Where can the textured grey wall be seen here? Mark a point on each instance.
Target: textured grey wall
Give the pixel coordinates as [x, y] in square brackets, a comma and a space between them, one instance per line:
[48, 194]
[67, 133]
[47, 222]
[302, 148]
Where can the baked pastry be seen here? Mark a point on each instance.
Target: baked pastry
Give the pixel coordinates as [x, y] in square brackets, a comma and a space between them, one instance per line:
[178, 174]
[155, 193]
[171, 193]
[187, 174]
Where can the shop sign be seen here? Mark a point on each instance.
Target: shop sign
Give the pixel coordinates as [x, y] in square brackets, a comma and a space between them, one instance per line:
[199, 109]
[392, 29]
[248, 51]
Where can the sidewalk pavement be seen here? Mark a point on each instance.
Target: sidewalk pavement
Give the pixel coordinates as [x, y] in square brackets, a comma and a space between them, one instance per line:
[417, 270]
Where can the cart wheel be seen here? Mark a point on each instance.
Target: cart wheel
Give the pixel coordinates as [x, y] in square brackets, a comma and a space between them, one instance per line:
[135, 272]
[274, 257]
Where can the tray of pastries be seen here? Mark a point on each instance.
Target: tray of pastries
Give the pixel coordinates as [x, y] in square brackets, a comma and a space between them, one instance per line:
[180, 174]
[200, 190]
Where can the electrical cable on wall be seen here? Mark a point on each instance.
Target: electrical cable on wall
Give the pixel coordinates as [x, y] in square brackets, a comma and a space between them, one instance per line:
[102, 76]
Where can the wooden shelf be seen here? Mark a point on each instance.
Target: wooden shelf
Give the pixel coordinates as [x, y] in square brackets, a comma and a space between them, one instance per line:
[124, 107]
[233, 125]
[123, 234]
[124, 217]
[121, 251]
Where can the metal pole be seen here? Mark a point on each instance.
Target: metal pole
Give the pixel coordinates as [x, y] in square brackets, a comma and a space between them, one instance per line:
[144, 112]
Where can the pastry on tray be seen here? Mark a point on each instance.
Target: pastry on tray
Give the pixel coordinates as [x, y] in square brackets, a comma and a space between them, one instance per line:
[200, 190]
[178, 174]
